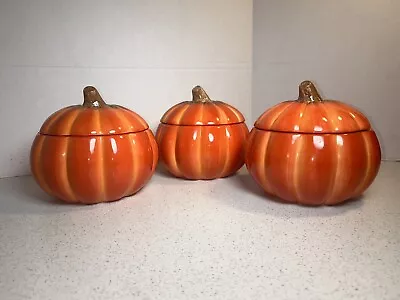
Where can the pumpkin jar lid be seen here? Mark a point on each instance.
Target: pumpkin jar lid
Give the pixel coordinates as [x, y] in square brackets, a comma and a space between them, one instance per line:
[93, 118]
[312, 114]
[202, 111]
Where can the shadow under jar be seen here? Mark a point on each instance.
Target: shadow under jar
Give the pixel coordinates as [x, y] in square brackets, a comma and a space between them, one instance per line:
[312, 151]
[93, 152]
[202, 139]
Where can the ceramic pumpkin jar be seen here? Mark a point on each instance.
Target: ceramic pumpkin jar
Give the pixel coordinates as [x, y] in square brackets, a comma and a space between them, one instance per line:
[202, 139]
[93, 152]
[313, 151]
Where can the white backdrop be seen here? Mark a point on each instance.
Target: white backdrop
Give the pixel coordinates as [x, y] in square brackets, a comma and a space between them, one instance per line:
[350, 48]
[146, 55]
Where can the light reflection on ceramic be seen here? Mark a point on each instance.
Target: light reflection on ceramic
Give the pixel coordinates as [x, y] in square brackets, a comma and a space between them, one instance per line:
[313, 151]
[202, 138]
[76, 159]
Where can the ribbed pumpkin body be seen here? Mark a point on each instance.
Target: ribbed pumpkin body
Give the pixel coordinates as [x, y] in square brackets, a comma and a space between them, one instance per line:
[202, 140]
[313, 169]
[313, 153]
[86, 154]
[202, 152]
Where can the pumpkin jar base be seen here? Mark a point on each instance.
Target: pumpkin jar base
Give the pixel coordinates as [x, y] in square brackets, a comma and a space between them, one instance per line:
[91, 170]
[202, 152]
[313, 169]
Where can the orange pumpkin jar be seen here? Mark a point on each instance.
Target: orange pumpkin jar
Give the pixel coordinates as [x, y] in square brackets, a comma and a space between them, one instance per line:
[202, 139]
[93, 152]
[312, 151]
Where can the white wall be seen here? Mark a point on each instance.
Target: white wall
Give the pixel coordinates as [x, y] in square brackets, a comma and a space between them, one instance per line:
[146, 55]
[350, 48]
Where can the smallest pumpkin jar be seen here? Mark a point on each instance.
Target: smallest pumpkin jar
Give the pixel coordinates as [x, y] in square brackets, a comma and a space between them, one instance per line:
[312, 151]
[93, 152]
[202, 139]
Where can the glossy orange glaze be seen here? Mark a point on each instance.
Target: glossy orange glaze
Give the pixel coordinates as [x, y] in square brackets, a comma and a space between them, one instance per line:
[93, 152]
[79, 120]
[313, 151]
[198, 113]
[93, 117]
[202, 152]
[202, 138]
[328, 116]
[93, 169]
[313, 169]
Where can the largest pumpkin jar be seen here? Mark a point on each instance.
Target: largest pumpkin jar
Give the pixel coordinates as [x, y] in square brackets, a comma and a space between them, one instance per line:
[93, 152]
[313, 151]
[202, 139]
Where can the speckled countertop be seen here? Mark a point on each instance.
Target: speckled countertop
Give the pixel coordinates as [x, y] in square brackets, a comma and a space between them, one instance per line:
[200, 240]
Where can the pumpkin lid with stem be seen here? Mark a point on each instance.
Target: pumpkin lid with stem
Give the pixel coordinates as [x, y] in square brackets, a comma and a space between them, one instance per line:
[93, 118]
[310, 113]
[202, 111]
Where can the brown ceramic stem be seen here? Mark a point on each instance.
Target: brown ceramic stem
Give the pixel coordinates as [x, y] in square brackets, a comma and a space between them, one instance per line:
[200, 95]
[92, 97]
[308, 92]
